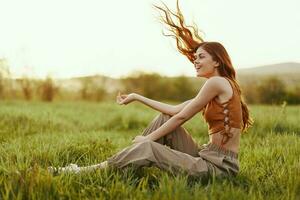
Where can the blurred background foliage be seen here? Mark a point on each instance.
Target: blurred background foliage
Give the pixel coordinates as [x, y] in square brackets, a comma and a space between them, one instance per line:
[257, 89]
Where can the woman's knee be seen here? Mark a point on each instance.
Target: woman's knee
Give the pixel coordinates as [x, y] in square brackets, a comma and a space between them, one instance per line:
[145, 148]
[147, 144]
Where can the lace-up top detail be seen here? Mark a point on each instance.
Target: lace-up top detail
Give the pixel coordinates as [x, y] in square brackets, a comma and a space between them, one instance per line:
[223, 116]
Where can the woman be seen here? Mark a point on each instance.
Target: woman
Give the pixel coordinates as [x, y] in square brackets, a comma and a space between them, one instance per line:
[165, 143]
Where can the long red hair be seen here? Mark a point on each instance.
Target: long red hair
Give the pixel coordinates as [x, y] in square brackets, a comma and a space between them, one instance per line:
[188, 41]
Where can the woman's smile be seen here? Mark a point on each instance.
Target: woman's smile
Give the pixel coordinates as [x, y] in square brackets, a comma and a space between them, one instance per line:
[197, 67]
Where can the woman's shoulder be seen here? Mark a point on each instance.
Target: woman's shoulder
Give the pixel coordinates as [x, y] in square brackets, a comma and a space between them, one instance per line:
[217, 79]
[221, 82]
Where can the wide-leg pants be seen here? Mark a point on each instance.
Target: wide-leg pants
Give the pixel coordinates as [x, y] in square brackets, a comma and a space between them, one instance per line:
[177, 151]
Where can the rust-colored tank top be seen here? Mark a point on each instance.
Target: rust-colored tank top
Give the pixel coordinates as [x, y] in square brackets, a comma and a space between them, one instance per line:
[224, 116]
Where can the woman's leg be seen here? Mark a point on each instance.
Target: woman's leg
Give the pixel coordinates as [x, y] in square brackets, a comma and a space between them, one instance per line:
[179, 139]
[149, 153]
[182, 154]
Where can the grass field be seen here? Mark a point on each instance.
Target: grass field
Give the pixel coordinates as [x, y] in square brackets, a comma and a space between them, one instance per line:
[36, 135]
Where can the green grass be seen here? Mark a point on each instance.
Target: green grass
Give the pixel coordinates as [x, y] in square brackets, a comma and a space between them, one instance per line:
[37, 135]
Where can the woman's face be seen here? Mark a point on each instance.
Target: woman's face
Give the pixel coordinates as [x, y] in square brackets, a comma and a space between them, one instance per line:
[204, 64]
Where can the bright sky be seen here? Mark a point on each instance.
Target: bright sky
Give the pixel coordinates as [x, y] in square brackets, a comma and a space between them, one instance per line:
[65, 38]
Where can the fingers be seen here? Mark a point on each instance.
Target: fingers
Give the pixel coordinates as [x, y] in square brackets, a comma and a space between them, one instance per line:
[121, 95]
[118, 98]
[120, 101]
[121, 98]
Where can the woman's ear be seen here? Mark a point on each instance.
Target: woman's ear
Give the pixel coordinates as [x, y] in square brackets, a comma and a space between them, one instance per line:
[216, 64]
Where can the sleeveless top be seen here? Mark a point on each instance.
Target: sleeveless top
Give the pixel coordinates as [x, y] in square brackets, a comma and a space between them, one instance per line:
[221, 117]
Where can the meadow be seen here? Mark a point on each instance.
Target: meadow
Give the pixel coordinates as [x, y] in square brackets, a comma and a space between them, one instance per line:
[35, 135]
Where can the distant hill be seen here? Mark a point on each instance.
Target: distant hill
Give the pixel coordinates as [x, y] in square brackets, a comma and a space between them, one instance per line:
[275, 69]
[288, 72]
[75, 83]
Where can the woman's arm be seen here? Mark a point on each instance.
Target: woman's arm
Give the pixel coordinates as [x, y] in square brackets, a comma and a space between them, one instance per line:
[211, 88]
[179, 107]
[125, 99]
[161, 107]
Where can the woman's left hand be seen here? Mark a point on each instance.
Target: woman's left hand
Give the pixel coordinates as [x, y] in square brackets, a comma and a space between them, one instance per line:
[140, 138]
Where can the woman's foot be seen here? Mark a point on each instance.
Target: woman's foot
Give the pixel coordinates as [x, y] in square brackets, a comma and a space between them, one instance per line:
[73, 168]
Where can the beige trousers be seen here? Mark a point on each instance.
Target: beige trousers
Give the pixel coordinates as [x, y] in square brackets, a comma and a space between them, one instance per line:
[177, 151]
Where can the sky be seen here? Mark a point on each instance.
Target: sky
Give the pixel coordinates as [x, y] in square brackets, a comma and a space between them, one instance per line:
[67, 38]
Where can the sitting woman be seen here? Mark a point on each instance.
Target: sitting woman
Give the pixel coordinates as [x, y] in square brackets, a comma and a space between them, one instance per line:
[165, 143]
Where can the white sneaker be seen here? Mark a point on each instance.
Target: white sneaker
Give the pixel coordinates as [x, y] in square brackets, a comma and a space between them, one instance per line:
[71, 168]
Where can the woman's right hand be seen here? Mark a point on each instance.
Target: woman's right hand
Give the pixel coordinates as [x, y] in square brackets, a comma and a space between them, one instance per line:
[124, 99]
